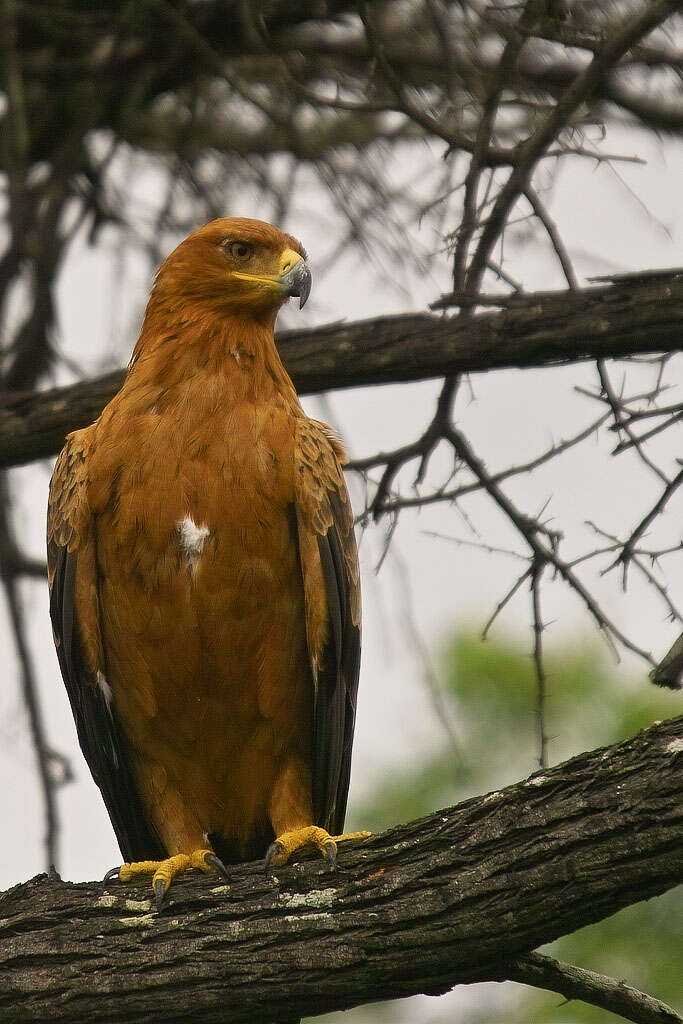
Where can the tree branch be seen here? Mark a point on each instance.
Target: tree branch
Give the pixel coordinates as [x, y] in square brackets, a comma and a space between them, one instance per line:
[445, 900]
[543, 329]
[597, 989]
[532, 149]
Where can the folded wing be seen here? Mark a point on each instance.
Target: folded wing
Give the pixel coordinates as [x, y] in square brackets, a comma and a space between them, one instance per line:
[329, 565]
[75, 614]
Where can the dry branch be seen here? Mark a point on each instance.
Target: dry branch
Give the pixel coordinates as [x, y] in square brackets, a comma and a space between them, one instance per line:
[597, 989]
[549, 328]
[445, 900]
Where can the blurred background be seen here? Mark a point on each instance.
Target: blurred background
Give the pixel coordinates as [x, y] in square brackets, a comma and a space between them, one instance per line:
[385, 136]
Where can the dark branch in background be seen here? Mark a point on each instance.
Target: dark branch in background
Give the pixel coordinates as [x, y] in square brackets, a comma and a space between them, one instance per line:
[534, 147]
[454, 898]
[468, 283]
[543, 329]
[451, 494]
[487, 212]
[543, 545]
[620, 424]
[537, 569]
[34, 253]
[576, 983]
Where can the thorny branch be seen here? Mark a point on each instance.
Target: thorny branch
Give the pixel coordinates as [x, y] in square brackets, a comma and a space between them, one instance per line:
[485, 217]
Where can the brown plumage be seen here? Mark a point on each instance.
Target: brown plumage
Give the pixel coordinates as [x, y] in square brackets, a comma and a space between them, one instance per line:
[203, 571]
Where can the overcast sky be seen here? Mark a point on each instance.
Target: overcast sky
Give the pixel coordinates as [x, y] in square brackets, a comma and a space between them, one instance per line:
[610, 223]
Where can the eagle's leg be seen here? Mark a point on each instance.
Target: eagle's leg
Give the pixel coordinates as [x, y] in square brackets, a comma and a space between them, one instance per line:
[288, 843]
[164, 871]
[291, 814]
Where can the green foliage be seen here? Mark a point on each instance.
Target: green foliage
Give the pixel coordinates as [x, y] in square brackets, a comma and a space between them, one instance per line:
[491, 694]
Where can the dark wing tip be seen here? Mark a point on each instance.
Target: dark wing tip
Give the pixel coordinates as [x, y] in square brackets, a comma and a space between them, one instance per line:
[669, 672]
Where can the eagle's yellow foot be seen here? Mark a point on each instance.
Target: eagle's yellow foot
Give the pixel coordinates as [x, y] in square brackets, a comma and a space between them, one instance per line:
[164, 871]
[286, 844]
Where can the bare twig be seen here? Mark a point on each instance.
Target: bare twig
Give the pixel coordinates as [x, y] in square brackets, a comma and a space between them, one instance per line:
[620, 424]
[452, 494]
[647, 520]
[615, 46]
[554, 236]
[596, 989]
[543, 552]
[538, 627]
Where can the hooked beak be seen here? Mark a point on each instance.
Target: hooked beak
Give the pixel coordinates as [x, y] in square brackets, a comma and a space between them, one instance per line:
[295, 277]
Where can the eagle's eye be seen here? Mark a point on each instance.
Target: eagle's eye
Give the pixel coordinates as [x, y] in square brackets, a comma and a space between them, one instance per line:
[240, 250]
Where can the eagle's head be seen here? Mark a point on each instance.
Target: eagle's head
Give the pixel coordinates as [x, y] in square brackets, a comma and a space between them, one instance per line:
[235, 265]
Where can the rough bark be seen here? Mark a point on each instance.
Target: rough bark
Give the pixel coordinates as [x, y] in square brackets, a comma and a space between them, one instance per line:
[448, 899]
[640, 315]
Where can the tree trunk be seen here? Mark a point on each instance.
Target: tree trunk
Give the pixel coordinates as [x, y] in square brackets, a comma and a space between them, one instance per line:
[640, 315]
[444, 900]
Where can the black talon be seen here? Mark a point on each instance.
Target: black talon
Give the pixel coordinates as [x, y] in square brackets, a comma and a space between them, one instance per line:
[111, 874]
[217, 864]
[272, 850]
[159, 892]
[330, 855]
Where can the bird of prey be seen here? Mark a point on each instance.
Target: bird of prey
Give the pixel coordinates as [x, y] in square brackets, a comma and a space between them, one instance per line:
[204, 586]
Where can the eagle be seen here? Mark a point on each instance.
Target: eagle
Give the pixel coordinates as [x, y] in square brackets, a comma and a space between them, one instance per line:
[204, 582]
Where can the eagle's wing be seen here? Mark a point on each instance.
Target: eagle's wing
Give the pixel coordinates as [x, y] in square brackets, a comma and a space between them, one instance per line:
[75, 614]
[329, 565]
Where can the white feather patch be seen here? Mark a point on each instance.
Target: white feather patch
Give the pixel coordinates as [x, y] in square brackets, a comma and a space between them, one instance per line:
[192, 538]
[105, 688]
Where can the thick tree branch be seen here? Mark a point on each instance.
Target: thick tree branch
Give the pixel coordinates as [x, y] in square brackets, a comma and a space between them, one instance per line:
[634, 316]
[448, 899]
